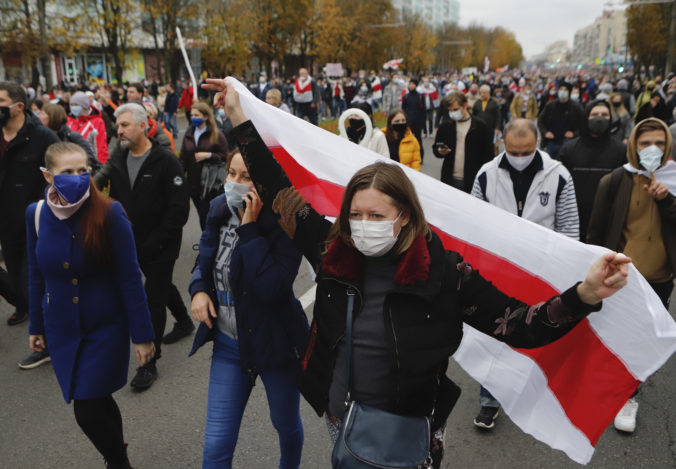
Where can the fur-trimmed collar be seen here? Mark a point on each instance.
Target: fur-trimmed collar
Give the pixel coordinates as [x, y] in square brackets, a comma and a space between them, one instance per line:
[347, 262]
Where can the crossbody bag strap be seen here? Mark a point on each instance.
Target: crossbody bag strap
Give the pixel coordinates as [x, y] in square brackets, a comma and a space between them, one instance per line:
[38, 209]
[348, 342]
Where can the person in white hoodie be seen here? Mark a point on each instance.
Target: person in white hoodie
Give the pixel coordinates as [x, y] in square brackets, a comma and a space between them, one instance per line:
[361, 130]
[530, 184]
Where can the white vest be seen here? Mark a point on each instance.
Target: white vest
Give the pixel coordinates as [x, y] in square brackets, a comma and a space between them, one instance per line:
[540, 204]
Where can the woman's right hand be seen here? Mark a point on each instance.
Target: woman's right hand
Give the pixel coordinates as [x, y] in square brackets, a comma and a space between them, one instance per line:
[37, 342]
[443, 151]
[226, 97]
[202, 308]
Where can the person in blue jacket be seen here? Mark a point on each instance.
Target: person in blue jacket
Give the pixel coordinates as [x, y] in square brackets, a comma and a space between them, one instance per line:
[86, 296]
[242, 295]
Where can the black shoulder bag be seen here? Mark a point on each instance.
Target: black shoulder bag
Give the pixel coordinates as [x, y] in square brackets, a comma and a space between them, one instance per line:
[372, 438]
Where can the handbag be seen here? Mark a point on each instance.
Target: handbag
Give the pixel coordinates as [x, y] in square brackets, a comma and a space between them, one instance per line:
[372, 438]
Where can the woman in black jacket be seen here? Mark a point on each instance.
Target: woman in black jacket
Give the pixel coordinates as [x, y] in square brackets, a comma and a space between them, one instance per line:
[203, 153]
[411, 295]
[465, 143]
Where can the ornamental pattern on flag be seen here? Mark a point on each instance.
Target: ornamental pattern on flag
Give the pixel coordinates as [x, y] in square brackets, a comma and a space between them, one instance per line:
[564, 394]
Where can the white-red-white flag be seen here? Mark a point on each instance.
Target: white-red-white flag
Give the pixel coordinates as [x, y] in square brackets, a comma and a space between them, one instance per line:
[564, 394]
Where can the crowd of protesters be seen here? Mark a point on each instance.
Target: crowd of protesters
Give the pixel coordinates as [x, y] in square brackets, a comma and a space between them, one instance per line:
[583, 155]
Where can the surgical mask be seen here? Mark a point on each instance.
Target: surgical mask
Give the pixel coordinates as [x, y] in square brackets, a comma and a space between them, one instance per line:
[598, 125]
[76, 110]
[455, 115]
[373, 238]
[400, 128]
[520, 162]
[234, 192]
[575, 96]
[563, 94]
[651, 158]
[196, 121]
[221, 112]
[262, 80]
[363, 89]
[71, 187]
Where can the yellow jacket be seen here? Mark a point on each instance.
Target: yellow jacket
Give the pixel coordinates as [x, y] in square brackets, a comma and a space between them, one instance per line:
[409, 150]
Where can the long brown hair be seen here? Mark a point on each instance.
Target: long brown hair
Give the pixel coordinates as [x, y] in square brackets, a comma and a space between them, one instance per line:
[56, 115]
[96, 241]
[205, 110]
[389, 131]
[391, 180]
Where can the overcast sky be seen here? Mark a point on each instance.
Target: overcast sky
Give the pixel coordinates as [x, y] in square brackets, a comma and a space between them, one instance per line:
[536, 23]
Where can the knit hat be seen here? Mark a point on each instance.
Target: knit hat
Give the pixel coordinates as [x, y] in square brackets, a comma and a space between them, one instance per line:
[565, 84]
[81, 99]
[623, 85]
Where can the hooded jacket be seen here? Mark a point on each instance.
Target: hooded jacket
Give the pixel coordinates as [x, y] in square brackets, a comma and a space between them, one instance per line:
[588, 158]
[85, 124]
[625, 218]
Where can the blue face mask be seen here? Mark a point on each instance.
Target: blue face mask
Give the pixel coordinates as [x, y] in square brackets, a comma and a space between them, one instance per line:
[221, 112]
[76, 110]
[72, 187]
[196, 121]
[234, 193]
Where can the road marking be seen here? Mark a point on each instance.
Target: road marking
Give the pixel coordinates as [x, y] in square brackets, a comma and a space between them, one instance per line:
[308, 297]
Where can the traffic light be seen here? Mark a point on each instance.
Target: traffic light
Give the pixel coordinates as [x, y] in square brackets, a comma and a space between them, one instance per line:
[620, 69]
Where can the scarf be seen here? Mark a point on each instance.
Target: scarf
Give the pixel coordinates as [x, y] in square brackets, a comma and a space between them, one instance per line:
[60, 211]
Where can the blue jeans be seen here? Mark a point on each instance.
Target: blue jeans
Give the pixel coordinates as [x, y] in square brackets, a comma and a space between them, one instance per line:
[486, 398]
[229, 390]
[171, 124]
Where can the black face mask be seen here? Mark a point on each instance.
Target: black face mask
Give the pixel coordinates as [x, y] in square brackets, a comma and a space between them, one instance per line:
[4, 115]
[356, 130]
[598, 125]
[617, 103]
[399, 128]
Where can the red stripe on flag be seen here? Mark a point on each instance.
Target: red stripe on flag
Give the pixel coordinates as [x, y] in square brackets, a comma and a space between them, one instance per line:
[603, 383]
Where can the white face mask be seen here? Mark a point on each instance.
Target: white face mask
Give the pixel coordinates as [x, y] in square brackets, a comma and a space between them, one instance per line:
[455, 115]
[520, 162]
[650, 158]
[373, 238]
[234, 193]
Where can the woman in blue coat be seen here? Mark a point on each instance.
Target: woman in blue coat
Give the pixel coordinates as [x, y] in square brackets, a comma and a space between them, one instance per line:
[242, 294]
[86, 295]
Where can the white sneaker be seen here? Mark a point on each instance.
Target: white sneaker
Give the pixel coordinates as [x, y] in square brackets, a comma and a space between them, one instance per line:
[625, 420]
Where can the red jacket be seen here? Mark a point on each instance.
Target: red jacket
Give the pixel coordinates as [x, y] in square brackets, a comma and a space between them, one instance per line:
[85, 124]
[186, 99]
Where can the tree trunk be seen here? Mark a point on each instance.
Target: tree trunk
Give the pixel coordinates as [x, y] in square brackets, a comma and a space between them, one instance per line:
[44, 47]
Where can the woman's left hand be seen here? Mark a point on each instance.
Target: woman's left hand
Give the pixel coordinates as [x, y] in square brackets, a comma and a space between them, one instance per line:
[605, 277]
[253, 205]
[144, 352]
[201, 156]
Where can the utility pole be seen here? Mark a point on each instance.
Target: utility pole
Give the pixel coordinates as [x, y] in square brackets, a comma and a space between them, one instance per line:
[45, 63]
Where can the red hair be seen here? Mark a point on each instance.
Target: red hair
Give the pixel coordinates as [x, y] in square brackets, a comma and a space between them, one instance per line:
[96, 240]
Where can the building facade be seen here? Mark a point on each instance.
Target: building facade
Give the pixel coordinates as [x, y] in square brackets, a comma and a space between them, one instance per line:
[433, 12]
[603, 41]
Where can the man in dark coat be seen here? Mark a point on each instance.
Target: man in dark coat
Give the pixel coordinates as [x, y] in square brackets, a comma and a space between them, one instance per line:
[413, 105]
[591, 156]
[465, 143]
[23, 142]
[560, 120]
[170, 110]
[147, 179]
[488, 109]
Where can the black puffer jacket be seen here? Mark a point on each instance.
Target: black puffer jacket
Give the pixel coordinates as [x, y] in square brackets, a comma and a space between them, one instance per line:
[588, 159]
[21, 182]
[434, 293]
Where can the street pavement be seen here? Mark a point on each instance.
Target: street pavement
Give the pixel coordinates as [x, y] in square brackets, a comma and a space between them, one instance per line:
[164, 425]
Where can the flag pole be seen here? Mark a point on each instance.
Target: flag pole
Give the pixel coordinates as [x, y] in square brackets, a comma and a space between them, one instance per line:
[187, 63]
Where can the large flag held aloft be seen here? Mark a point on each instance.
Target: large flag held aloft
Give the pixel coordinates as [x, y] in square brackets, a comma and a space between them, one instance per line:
[564, 394]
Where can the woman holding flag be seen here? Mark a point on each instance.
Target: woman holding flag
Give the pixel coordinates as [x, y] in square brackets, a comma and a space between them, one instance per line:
[410, 295]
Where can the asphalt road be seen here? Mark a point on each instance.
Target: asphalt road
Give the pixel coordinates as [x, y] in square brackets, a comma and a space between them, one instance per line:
[164, 425]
